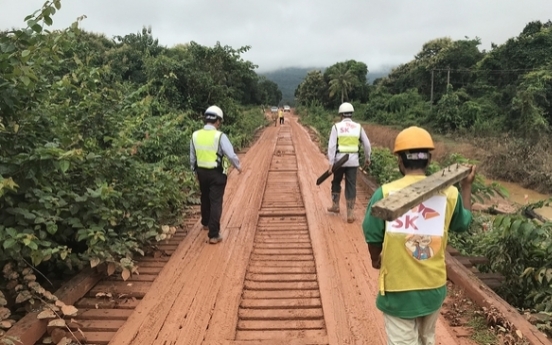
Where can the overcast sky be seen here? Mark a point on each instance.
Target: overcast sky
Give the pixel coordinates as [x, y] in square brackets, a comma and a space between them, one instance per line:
[300, 33]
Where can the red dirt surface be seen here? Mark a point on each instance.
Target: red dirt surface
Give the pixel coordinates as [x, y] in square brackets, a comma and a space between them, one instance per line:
[287, 272]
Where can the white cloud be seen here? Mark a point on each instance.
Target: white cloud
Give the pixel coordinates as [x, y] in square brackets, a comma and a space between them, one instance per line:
[300, 33]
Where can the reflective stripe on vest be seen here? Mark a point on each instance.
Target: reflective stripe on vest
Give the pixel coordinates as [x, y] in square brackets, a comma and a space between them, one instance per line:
[348, 136]
[413, 255]
[206, 144]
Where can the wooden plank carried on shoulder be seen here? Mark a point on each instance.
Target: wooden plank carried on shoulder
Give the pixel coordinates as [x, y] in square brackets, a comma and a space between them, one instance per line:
[397, 204]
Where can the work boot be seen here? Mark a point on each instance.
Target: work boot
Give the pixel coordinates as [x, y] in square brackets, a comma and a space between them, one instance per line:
[335, 203]
[350, 211]
[215, 240]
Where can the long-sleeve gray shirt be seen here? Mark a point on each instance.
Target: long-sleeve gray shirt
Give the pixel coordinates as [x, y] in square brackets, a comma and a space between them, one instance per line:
[225, 146]
[353, 157]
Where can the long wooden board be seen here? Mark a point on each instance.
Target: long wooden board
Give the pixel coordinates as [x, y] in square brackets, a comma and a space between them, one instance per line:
[397, 204]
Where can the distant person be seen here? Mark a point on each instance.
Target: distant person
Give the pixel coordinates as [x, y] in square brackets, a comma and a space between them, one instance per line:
[346, 137]
[210, 151]
[281, 116]
[411, 259]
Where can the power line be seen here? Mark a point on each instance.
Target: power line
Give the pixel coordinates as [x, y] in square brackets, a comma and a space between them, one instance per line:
[487, 70]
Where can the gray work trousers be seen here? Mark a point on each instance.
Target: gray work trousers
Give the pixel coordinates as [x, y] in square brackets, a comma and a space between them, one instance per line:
[350, 174]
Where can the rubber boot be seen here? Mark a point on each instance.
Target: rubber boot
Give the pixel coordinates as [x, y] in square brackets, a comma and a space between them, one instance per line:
[350, 211]
[335, 203]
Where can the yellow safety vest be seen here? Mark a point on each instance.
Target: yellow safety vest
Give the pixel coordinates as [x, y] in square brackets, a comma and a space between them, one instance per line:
[413, 254]
[206, 144]
[280, 114]
[348, 136]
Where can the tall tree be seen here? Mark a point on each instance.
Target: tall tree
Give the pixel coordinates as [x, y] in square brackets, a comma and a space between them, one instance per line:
[312, 89]
[342, 80]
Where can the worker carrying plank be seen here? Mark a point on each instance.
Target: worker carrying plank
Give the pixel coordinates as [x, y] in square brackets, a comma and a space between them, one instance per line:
[345, 138]
[410, 250]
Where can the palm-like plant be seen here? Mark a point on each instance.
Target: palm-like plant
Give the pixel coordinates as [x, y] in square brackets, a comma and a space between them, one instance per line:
[342, 80]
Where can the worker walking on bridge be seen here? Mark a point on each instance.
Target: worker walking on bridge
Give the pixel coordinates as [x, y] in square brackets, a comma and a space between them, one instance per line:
[210, 151]
[281, 116]
[410, 251]
[346, 137]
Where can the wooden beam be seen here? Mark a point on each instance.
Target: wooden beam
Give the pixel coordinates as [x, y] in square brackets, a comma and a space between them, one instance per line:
[30, 329]
[483, 296]
[397, 204]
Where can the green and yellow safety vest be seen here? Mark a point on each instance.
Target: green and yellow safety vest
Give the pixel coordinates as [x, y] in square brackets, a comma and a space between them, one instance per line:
[413, 255]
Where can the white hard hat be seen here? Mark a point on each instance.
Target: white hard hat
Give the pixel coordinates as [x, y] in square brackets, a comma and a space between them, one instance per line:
[213, 112]
[346, 108]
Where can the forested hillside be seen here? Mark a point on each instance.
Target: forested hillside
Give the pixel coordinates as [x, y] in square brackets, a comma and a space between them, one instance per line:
[288, 79]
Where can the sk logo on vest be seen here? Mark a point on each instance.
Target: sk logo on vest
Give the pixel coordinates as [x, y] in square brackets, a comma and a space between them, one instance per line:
[408, 221]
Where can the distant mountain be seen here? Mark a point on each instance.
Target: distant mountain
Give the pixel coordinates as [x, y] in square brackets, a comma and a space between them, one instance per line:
[376, 75]
[289, 78]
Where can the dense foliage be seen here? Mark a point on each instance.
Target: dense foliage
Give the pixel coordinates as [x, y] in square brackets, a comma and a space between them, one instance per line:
[452, 85]
[94, 140]
[500, 99]
[343, 81]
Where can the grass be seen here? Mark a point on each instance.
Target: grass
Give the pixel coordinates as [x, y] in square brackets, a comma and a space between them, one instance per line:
[384, 136]
[506, 158]
[487, 327]
[481, 333]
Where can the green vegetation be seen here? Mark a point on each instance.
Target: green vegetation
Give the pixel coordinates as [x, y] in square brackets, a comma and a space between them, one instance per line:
[288, 79]
[500, 100]
[94, 143]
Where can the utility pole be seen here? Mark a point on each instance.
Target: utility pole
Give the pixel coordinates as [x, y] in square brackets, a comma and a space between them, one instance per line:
[432, 75]
[448, 77]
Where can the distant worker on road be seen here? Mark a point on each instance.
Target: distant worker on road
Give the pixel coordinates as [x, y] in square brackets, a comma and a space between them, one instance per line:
[281, 115]
[410, 251]
[210, 151]
[346, 137]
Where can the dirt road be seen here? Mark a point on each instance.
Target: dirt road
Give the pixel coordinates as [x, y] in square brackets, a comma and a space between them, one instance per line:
[287, 272]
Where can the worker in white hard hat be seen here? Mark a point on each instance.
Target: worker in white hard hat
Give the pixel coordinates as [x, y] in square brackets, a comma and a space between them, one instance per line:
[346, 137]
[210, 154]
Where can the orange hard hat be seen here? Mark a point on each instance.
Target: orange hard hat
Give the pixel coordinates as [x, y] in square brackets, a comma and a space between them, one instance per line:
[413, 138]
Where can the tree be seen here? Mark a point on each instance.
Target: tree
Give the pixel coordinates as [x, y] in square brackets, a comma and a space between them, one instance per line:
[269, 93]
[312, 88]
[342, 81]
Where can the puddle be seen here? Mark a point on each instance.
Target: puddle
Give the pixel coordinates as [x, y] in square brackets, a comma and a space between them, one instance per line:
[524, 196]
